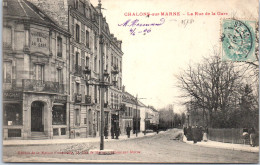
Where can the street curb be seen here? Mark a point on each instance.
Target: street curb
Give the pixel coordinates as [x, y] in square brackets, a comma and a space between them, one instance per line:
[219, 147]
[78, 142]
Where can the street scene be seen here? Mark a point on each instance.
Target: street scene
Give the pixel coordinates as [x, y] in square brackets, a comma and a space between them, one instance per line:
[156, 148]
[130, 81]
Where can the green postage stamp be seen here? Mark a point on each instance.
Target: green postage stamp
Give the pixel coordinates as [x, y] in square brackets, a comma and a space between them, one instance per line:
[238, 40]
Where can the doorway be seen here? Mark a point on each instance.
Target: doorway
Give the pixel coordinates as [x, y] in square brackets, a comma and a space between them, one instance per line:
[37, 110]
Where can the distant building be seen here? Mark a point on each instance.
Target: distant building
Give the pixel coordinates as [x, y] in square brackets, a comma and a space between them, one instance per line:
[149, 117]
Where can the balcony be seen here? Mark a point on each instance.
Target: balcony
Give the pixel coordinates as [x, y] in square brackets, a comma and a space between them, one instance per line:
[78, 70]
[88, 99]
[11, 85]
[78, 98]
[30, 85]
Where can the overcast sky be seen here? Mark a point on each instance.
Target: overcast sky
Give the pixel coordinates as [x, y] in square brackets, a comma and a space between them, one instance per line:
[150, 61]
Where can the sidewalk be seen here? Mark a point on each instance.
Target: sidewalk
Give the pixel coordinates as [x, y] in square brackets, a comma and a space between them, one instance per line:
[71, 141]
[230, 146]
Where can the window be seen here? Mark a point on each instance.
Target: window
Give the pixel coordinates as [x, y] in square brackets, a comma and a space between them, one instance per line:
[39, 72]
[95, 93]
[76, 4]
[77, 119]
[12, 114]
[77, 88]
[55, 132]
[5, 3]
[7, 72]
[58, 115]
[59, 71]
[63, 131]
[77, 32]
[14, 133]
[95, 64]
[87, 62]
[87, 38]
[95, 40]
[77, 58]
[7, 37]
[59, 46]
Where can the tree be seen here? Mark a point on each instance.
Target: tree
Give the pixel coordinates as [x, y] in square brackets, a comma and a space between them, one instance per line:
[248, 108]
[210, 86]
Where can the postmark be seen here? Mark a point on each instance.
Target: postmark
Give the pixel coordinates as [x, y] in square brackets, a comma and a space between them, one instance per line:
[238, 40]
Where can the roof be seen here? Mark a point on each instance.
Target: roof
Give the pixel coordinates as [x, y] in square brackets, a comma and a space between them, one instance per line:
[22, 9]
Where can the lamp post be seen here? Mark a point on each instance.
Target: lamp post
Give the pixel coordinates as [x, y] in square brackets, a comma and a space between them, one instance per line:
[103, 77]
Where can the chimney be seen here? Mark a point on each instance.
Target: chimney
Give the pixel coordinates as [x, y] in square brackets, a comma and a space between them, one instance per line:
[123, 88]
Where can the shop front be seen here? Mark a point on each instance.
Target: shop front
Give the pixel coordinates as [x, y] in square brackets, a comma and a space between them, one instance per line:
[59, 117]
[12, 115]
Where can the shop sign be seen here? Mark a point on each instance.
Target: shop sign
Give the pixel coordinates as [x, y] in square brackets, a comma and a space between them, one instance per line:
[39, 40]
[60, 99]
[12, 95]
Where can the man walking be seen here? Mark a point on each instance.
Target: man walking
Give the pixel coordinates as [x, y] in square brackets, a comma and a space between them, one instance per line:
[112, 132]
[128, 129]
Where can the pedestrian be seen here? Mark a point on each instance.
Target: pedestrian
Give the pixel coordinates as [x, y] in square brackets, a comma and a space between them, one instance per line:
[106, 132]
[128, 129]
[205, 134]
[117, 133]
[189, 134]
[157, 129]
[112, 132]
[252, 135]
[185, 131]
[195, 133]
[200, 133]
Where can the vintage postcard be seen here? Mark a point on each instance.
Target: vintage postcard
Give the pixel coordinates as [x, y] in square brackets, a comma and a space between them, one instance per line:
[130, 81]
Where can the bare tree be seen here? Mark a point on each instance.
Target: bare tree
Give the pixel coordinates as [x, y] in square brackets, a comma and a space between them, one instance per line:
[211, 85]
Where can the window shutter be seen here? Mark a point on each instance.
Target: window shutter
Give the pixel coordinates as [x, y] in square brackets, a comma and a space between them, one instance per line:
[82, 59]
[72, 28]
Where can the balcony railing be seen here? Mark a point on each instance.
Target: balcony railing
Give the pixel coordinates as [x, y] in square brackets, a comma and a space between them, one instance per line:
[30, 85]
[78, 69]
[87, 99]
[78, 98]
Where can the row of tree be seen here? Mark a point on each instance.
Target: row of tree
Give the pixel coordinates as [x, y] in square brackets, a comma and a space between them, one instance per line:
[169, 119]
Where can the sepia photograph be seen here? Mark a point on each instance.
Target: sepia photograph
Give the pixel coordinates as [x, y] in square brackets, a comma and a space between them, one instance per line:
[130, 81]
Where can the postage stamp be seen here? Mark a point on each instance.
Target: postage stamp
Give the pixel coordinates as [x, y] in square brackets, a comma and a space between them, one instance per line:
[238, 40]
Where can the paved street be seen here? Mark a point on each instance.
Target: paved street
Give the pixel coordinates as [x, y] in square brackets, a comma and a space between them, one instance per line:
[158, 148]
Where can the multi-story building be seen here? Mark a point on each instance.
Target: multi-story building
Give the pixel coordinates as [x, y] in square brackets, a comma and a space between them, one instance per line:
[81, 19]
[35, 73]
[131, 113]
[149, 117]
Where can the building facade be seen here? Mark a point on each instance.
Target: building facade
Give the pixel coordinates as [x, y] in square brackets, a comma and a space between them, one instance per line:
[130, 114]
[149, 117]
[81, 19]
[35, 70]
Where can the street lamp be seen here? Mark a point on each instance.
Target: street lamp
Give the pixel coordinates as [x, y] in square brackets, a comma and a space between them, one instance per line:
[103, 77]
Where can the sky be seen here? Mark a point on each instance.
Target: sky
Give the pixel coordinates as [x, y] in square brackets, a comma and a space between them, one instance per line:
[152, 61]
